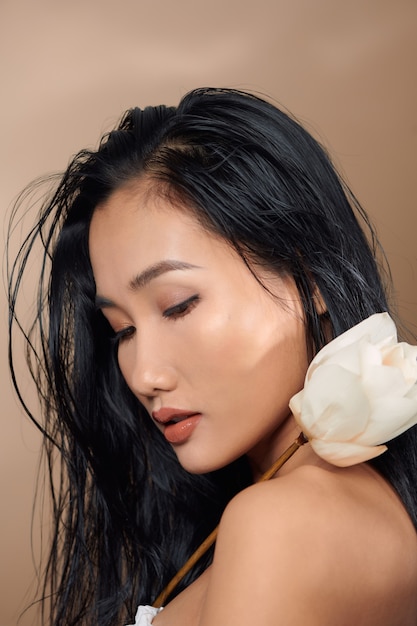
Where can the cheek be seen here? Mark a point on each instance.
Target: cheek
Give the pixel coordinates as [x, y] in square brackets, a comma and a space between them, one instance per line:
[251, 344]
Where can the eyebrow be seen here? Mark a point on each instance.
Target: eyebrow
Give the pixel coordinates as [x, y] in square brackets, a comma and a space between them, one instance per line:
[146, 276]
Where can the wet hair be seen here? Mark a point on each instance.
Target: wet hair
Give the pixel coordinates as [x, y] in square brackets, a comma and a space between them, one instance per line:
[127, 515]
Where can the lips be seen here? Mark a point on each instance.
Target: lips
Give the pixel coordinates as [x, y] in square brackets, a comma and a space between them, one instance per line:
[166, 414]
[178, 424]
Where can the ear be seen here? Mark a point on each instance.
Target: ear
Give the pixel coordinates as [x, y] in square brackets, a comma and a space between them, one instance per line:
[319, 302]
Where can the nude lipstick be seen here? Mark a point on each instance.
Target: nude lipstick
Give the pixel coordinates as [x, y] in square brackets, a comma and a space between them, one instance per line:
[178, 425]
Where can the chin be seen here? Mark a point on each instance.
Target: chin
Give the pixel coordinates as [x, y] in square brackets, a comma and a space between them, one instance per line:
[200, 468]
[198, 464]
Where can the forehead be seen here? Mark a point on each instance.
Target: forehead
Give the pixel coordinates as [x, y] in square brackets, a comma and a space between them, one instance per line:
[138, 213]
[135, 231]
[135, 228]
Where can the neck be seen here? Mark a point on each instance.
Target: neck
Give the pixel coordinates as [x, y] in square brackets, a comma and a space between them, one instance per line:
[264, 454]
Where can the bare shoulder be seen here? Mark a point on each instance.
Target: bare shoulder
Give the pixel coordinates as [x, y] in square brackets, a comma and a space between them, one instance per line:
[315, 547]
[321, 502]
[339, 492]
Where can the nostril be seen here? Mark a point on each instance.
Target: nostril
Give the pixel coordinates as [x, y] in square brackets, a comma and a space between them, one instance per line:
[149, 381]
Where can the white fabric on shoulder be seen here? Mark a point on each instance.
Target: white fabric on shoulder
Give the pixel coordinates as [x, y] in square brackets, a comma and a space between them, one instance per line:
[145, 615]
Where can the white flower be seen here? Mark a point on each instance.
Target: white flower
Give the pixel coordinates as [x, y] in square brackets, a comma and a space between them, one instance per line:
[360, 391]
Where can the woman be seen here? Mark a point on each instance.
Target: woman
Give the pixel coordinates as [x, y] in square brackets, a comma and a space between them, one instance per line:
[194, 265]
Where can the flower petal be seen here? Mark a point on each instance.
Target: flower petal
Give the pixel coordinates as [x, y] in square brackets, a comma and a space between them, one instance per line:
[404, 357]
[390, 418]
[377, 329]
[332, 404]
[382, 381]
[360, 391]
[344, 454]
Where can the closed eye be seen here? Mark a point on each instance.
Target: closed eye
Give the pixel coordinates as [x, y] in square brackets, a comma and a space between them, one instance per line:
[122, 335]
[182, 308]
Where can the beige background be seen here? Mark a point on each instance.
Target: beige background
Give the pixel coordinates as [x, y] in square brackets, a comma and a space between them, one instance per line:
[68, 70]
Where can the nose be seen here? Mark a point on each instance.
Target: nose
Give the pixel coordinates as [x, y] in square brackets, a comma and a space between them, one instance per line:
[148, 375]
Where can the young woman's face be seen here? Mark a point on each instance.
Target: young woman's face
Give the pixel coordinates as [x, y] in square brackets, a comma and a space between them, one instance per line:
[206, 349]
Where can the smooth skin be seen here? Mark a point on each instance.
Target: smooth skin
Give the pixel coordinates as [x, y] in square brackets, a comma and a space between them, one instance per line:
[196, 330]
[316, 545]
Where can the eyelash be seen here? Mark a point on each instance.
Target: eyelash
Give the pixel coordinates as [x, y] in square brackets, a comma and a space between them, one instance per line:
[122, 335]
[182, 308]
[174, 312]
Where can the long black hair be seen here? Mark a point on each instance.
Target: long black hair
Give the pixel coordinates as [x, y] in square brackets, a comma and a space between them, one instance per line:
[126, 515]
